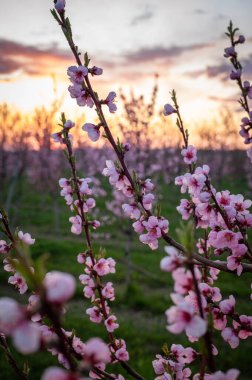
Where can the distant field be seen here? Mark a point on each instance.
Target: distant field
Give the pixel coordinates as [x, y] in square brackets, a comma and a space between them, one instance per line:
[140, 308]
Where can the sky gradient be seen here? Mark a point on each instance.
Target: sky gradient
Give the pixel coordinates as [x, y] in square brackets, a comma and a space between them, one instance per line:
[182, 41]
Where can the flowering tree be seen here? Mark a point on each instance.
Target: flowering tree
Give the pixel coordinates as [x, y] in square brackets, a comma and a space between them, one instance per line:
[222, 220]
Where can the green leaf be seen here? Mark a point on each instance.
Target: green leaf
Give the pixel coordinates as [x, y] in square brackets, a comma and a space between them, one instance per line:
[40, 266]
[86, 59]
[55, 15]
[186, 235]
[24, 271]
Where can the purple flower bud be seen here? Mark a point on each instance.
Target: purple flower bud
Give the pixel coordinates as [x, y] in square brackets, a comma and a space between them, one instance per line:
[235, 74]
[168, 110]
[60, 5]
[241, 39]
[230, 52]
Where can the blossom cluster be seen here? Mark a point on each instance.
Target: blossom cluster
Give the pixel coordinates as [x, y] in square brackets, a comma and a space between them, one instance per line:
[20, 322]
[184, 316]
[16, 278]
[225, 214]
[153, 226]
[95, 269]
[245, 86]
[172, 365]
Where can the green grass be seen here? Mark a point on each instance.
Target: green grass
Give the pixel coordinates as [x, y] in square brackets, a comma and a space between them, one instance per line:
[140, 308]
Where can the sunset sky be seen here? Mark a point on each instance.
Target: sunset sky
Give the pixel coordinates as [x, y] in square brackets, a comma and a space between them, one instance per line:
[182, 41]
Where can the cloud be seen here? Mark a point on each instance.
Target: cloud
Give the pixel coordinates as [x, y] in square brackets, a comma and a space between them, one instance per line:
[147, 14]
[222, 99]
[15, 56]
[222, 70]
[161, 52]
[200, 12]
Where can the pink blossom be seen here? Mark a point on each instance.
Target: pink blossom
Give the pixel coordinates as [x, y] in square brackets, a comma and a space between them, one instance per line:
[111, 172]
[149, 240]
[192, 299]
[75, 91]
[60, 287]
[92, 130]
[122, 354]
[234, 262]
[94, 314]
[153, 226]
[89, 290]
[78, 345]
[26, 238]
[183, 280]
[220, 320]
[88, 204]
[227, 239]
[185, 209]
[11, 315]
[231, 374]
[168, 110]
[55, 373]
[77, 74]
[69, 124]
[227, 306]
[47, 335]
[204, 197]
[111, 324]
[245, 327]
[230, 336]
[85, 279]
[19, 282]
[183, 355]
[94, 375]
[138, 226]
[108, 291]
[85, 99]
[110, 102]
[96, 351]
[189, 154]
[213, 272]
[81, 258]
[240, 204]
[33, 307]
[159, 365]
[205, 169]
[57, 137]
[95, 71]
[26, 337]
[147, 201]
[196, 183]
[210, 292]
[104, 266]
[4, 247]
[7, 266]
[84, 187]
[63, 182]
[147, 185]
[95, 224]
[181, 317]
[76, 224]
[172, 262]
[131, 211]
